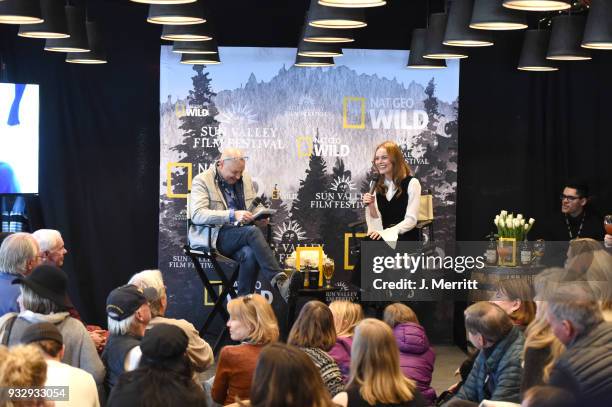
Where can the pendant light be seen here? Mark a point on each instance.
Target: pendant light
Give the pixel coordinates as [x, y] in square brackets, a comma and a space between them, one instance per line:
[97, 55]
[352, 3]
[458, 33]
[434, 48]
[317, 49]
[537, 5]
[20, 12]
[54, 25]
[598, 31]
[326, 35]
[335, 17]
[491, 15]
[566, 38]
[192, 32]
[196, 59]
[176, 14]
[163, 1]
[303, 61]
[417, 47]
[77, 42]
[533, 54]
[195, 47]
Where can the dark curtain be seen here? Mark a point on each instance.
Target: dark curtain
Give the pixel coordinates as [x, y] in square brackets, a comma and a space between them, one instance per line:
[99, 152]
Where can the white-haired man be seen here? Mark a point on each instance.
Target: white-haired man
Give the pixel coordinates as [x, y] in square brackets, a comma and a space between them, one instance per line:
[19, 255]
[199, 352]
[127, 308]
[224, 196]
[51, 245]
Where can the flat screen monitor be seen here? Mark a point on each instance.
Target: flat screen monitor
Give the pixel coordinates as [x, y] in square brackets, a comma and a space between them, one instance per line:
[18, 138]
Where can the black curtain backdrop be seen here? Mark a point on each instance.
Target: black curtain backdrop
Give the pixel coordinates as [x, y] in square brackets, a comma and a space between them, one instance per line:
[521, 135]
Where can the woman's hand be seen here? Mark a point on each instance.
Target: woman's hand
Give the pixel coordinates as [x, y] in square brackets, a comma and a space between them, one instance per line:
[367, 198]
[374, 235]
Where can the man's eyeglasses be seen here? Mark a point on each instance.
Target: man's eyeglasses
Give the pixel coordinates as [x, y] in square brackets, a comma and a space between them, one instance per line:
[243, 158]
[569, 197]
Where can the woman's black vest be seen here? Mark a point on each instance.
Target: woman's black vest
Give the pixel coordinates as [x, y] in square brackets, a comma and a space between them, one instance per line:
[394, 211]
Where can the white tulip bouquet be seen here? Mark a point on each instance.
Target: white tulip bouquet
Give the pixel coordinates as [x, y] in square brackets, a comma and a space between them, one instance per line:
[510, 226]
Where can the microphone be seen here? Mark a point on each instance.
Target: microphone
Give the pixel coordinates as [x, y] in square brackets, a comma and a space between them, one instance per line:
[373, 185]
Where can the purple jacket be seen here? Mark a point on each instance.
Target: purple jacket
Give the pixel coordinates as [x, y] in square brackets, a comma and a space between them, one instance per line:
[417, 357]
[341, 353]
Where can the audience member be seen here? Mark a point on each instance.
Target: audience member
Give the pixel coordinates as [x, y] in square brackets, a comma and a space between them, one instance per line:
[548, 396]
[22, 366]
[585, 368]
[347, 315]
[128, 314]
[253, 323]
[376, 378]
[416, 356]
[43, 299]
[19, 254]
[199, 352]
[599, 277]
[52, 247]
[497, 371]
[4, 235]
[82, 390]
[164, 376]
[287, 368]
[515, 297]
[313, 332]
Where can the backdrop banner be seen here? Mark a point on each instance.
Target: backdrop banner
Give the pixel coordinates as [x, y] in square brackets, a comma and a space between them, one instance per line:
[310, 136]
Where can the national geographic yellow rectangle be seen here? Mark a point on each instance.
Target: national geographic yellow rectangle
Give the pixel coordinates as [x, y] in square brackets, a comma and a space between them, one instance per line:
[362, 106]
[169, 168]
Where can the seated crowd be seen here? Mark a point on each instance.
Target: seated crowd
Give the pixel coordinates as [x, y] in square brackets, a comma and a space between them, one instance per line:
[536, 344]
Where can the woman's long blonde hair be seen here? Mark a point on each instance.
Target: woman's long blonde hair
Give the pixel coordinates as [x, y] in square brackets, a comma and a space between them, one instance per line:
[347, 315]
[375, 367]
[401, 169]
[254, 311]
[539, 335]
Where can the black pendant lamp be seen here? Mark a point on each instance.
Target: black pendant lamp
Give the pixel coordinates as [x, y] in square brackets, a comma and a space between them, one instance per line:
[434, 48]
[54, 26]
[458, 33]
[326, 35]
[97, 55]
[303, 61]
[598, 31]
[335, 17]
[176, 14]
[20, 12]
[352, 3]
[566, 38]
[537, 5]
[77, 42]
[197, 59]
[533, 54]
[417, 47]
[491, 15]
[192, 32]
[317, 49]
[195, 47]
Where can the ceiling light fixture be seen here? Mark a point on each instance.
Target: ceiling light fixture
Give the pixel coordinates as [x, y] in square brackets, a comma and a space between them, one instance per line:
[458, 34]
[326, 35]
[54, 25]
[20, 12]
[195, 59]
[434, 48]
[352, 3]
[598, 30]
[176, 14]
[533, 54]
[97, 55]
[335, 17]
[192, 32]
[195, 47]
[566, 38]
[163, 1]
[77, 42]
[303, 61]
[317, 49]
[417, 46]
[537, 5]
[491, 15]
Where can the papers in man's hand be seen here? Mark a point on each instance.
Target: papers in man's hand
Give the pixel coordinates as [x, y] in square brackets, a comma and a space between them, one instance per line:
[491, 403]
[262, 213]
[389, 235]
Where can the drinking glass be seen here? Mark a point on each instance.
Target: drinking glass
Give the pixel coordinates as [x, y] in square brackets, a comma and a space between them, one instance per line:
[608, 224]
[538, 251]
[328, 272]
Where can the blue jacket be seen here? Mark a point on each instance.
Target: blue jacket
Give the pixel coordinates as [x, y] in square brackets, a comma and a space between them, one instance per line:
[8, 294]
[503, 368]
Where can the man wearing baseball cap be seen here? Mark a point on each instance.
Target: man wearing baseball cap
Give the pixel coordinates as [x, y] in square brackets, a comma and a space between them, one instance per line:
[127, 308]
[82, 391]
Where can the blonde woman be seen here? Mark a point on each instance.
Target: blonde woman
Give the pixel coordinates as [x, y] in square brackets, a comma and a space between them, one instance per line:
[22, 366]
[417, 357]
[347, 315]
[253, 323]
[515, 297]
[599, 277]
[314, 333]
[376, 378]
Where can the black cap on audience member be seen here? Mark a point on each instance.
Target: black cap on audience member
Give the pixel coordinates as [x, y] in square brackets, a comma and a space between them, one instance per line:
[40, 332]
[164, 342]
[49, 282]
[124, 301]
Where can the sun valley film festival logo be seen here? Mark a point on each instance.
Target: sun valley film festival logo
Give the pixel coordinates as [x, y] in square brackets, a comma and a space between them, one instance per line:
[343, 194]
[384, 113]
